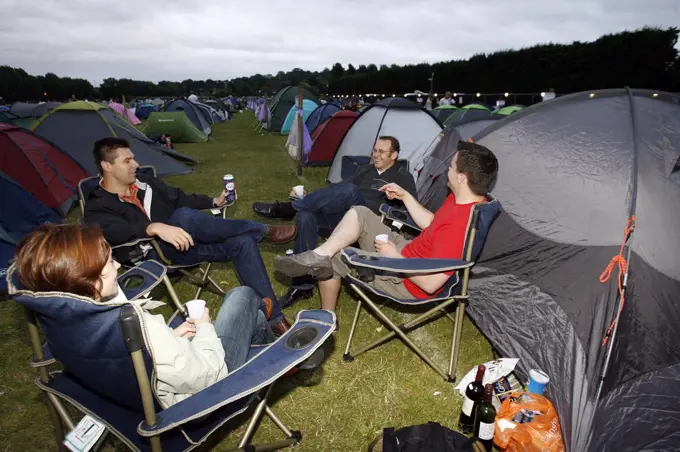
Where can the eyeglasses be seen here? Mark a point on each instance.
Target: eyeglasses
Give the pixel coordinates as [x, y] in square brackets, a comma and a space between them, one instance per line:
[377, 151]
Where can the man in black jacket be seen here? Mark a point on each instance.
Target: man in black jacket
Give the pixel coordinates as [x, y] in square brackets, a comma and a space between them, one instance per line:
[128, 207]
[324, 208]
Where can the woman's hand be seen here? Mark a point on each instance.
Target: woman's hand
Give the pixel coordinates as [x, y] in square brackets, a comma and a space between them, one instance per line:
[387, 249]
[205, 318]
[185, 330]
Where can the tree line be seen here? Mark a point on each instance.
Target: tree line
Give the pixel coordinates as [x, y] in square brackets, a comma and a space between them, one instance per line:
[644, 58]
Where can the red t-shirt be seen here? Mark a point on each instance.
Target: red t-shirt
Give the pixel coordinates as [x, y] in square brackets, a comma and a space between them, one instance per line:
[444, 238]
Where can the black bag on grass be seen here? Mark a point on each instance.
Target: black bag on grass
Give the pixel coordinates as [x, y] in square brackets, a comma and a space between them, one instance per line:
[430, 437]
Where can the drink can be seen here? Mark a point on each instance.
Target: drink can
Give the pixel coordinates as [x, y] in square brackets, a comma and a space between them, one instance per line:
[230, 188]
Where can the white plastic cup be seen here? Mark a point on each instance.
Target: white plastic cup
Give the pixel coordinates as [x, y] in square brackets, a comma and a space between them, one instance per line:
[196, 308]
[382, 238]
[299, 191]
[538, 380]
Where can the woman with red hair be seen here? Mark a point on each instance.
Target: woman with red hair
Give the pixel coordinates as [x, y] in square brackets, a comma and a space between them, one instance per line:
[77, 259]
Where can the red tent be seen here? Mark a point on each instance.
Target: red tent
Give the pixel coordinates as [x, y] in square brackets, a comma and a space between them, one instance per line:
[328, 135]
[40, 167]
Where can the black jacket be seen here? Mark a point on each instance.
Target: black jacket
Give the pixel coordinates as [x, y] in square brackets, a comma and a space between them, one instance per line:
[369, 181]
[123, 222]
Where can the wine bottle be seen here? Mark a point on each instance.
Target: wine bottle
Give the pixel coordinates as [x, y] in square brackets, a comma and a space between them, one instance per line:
[473, 395]
[485, 419]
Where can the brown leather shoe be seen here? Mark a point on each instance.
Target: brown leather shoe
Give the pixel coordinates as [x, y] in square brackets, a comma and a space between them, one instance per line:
[280, 328]
[281, 233]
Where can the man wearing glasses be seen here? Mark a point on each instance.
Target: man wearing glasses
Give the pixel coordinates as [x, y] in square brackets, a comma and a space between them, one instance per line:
[322, 210]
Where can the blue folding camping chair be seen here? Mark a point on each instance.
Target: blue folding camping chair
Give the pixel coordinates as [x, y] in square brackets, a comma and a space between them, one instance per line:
[131, 253]
[108, 371]
[455, 290]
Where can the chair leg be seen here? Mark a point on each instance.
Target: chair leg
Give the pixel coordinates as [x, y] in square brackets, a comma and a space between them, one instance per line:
[59, 434]
[396, 329]
[215, 287]
[346, 356]
[204, 277]
[455, 343]
[254, 420]
[292, 436]
[174, 297]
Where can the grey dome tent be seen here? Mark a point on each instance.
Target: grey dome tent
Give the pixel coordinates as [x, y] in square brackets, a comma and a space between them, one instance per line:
[210, 113]
[573, 173]
[74, 127]
[193, 113]
[431, 171]
[411, 124]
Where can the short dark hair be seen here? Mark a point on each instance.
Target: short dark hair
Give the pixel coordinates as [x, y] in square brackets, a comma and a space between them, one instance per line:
[479, 164]
[105, 150]
[394, 143]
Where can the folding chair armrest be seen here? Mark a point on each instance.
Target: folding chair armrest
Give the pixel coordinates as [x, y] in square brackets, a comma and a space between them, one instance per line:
[400, 215]
[403, 265]
[308, 333]
[132, 243]
[151, 273]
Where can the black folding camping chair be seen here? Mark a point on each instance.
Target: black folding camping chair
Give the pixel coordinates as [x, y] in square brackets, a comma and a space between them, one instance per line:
[132, 253]
[455, 290]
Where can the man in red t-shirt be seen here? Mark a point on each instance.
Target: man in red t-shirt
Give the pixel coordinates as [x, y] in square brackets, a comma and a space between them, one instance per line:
[473, 169]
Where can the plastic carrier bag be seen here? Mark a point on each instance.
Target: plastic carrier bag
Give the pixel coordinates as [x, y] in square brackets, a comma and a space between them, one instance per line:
[528, 423]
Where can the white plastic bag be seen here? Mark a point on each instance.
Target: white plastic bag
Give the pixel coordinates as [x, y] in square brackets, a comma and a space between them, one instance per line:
[495, 370]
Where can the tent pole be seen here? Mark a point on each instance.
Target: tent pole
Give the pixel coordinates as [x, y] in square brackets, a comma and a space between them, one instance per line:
[633, 209]
[610, 348]
[300, 130]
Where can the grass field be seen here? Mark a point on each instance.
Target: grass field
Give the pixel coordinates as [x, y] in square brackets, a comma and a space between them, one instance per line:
[340, 407]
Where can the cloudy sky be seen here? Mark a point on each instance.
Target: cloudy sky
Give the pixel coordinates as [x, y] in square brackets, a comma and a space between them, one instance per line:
[222, 39]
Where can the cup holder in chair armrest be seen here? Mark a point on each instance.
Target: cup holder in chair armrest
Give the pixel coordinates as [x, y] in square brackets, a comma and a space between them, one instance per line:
[301, 338]
[398, 215]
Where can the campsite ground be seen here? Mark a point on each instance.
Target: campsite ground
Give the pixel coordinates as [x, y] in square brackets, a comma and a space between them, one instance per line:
[340, 407]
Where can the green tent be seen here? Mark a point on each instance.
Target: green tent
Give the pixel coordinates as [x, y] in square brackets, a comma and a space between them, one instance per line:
[443, 112]
[475, 107]
[507, 111]
[176, 124]
[281, 104]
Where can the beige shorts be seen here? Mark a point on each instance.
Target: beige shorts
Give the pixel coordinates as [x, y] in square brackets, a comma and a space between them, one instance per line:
[371, 226]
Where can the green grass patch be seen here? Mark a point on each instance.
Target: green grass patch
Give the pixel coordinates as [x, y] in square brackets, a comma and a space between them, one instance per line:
[340, 407]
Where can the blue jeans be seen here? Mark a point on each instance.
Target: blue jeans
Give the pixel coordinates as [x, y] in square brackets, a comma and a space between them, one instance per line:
[220, 240]
[240, 323]
[319, 211]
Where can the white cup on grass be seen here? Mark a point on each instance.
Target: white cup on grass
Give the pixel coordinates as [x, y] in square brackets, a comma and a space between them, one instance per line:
[382, 238]
[196, 308]
[299, 191]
